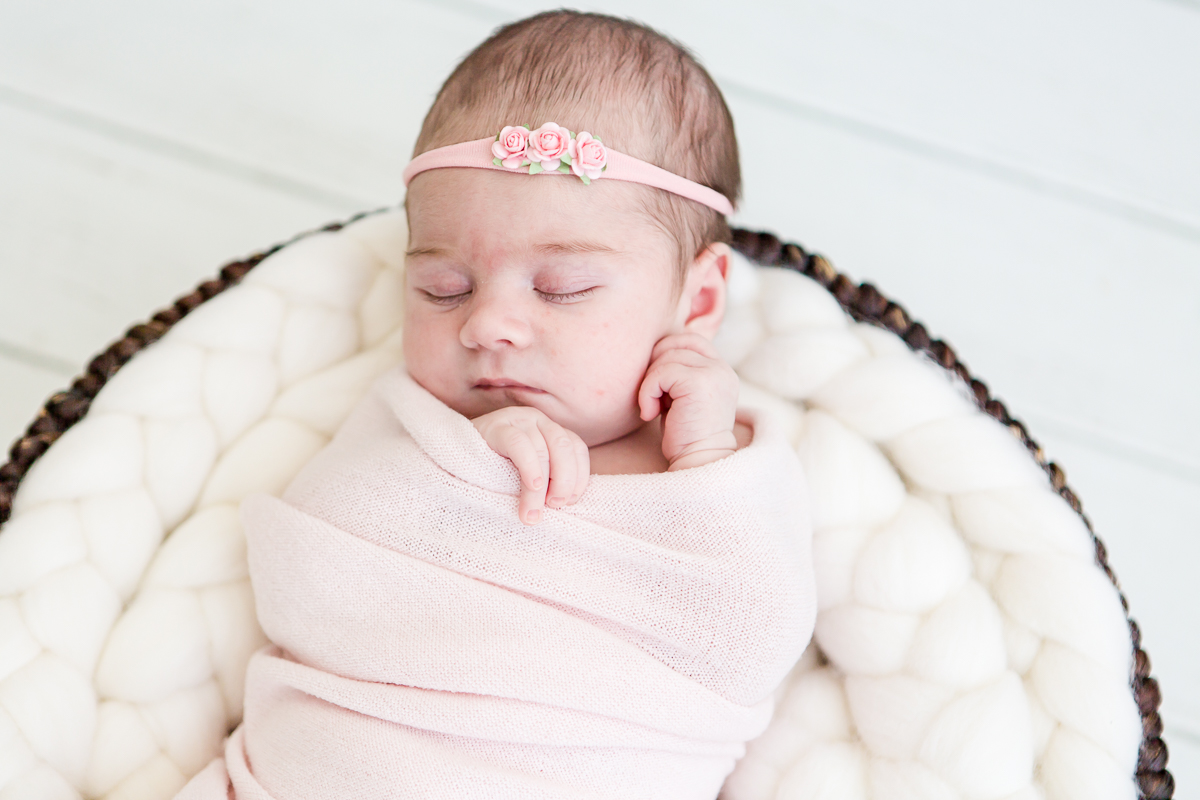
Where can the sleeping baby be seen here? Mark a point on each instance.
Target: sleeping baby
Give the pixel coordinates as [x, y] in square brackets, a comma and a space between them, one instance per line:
[549, 557]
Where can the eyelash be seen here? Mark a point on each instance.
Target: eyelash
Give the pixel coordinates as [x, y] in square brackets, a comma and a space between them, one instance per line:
[559, 298]
[447, 300]
[453, 299]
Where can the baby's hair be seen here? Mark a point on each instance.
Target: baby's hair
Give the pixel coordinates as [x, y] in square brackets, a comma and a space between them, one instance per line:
[642, 93]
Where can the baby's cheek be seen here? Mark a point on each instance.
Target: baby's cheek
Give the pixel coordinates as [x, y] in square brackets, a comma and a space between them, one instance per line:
[621, 388]
[427, 359]
[427, 335]
[416, 352]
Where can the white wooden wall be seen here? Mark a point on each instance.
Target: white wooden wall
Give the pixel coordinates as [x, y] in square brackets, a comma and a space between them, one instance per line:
[1023, 176]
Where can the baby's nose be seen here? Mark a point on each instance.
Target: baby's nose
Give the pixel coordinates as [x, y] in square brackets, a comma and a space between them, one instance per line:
[494, 322]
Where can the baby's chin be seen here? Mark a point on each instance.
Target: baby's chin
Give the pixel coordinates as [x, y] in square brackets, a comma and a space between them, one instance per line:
[594, 429]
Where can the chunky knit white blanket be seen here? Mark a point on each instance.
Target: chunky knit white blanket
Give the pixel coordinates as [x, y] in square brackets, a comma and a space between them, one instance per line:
[431, 645]
[966, 644]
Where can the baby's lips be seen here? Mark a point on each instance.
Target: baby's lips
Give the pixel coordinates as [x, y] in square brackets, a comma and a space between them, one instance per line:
[505, 383]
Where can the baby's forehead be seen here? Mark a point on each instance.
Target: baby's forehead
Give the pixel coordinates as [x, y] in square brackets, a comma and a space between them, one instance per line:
[481, 212]
[472, 198]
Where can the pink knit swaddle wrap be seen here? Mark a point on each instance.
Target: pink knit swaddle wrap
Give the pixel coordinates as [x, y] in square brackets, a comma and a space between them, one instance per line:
[429, 645]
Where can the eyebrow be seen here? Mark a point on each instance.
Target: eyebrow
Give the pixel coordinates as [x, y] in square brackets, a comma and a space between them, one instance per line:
[573, 247]
[425, 251]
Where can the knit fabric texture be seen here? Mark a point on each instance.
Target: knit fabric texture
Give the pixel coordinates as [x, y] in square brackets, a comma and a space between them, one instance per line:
[427, 644]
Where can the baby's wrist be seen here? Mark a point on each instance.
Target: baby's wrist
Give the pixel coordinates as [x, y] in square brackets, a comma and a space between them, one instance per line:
[706, 451]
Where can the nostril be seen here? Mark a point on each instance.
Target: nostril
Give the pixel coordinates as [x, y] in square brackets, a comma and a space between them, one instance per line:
[491, 327]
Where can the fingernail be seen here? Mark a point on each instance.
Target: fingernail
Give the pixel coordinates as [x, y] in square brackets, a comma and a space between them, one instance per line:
[557, 501]
[534, 515]
[539, 482]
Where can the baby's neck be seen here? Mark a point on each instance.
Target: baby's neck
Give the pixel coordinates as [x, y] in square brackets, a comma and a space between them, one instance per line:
[636, 453]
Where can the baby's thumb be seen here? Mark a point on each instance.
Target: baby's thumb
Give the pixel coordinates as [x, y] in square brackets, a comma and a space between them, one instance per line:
[650, 400]
[532, 499]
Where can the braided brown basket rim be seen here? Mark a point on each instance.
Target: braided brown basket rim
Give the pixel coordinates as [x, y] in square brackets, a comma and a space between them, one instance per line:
[863, 302]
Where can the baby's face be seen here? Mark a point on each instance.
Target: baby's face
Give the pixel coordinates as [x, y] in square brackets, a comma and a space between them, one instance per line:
[534, 290]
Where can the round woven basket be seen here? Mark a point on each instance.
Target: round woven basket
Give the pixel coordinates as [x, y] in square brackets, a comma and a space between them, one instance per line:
[863, 302]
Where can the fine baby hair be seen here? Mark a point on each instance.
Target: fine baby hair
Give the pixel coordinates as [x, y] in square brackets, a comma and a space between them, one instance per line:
[642, 93]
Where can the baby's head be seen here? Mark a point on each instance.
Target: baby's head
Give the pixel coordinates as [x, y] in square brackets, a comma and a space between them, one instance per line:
[542, 281]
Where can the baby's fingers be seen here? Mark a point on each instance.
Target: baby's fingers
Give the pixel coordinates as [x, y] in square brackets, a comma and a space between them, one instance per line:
[658, 389]
[650, 393]
[564, 447]
[584, 460]
[685, 341]
[526, 448]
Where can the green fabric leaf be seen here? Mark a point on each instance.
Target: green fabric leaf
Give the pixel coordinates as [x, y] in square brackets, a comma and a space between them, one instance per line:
[564, 169]
[586, 180]
[565, 158]
[534, 169]
[497, 162]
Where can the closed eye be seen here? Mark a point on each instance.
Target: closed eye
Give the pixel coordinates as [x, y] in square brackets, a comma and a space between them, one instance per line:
[566, 297]
[445, 300]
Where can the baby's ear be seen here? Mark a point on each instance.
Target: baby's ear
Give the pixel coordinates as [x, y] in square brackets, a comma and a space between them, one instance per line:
[704, 292]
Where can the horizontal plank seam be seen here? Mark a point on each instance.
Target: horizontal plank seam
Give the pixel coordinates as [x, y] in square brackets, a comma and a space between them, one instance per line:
[33, 358]
[1193, 5]
[1175, 465]
[185, 152]
[470, 8]
[1091, 197]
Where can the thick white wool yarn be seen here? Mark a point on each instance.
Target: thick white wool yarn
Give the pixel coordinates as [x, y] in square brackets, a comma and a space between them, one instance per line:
[959, 624]
[967, 646]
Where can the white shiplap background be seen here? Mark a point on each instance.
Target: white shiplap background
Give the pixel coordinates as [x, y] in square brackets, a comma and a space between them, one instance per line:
[1024, 177]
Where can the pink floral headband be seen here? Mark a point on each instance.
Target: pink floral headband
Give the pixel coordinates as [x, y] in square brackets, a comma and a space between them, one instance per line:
[553, 149]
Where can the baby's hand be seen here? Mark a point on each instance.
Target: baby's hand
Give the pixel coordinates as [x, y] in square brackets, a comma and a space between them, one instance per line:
[696, 392]
[540, 449]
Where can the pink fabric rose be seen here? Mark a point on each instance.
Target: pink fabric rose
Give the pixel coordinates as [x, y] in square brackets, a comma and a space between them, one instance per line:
[510, 147]
[547, 145]
[588, 155]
